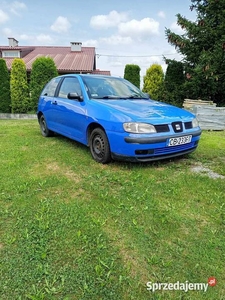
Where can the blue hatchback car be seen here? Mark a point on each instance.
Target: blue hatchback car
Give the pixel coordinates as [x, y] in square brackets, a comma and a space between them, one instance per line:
[115, 119]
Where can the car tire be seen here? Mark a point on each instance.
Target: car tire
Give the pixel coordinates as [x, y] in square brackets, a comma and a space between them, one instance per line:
[43, 126]
[99, 146]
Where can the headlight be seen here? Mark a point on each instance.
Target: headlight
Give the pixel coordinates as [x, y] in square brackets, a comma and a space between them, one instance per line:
[195, 123]
[139, 128]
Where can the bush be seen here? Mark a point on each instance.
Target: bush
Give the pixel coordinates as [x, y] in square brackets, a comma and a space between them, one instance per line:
[153, 82]
[174, 83]
[5, 100]
[19, 87]
[132, 73]
[43, 70]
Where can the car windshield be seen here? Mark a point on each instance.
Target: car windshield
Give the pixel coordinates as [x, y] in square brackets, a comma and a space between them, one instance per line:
[103, 87]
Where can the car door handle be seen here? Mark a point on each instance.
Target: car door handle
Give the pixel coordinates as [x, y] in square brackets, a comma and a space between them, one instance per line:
[54, 102]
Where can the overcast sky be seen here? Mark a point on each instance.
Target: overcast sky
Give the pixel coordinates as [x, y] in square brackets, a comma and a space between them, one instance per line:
[122, 31]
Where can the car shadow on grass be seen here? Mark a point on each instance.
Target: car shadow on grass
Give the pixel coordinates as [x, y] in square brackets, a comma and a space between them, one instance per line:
[186, 159]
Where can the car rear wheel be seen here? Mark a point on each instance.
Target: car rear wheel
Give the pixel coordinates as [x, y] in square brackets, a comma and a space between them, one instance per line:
[99, 146]
[44, 129]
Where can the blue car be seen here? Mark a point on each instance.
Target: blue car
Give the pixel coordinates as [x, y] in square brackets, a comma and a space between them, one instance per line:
[115, 119]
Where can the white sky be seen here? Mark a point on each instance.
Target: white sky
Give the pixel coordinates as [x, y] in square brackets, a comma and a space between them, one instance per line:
[123, 32]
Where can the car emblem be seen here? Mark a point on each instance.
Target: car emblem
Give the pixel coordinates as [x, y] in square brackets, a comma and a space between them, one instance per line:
[177, 126]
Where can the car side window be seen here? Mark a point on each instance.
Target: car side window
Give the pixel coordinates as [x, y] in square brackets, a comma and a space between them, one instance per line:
[69, 85]
[50, 88]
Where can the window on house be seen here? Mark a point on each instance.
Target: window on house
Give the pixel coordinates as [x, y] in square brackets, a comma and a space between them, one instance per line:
[11, 54]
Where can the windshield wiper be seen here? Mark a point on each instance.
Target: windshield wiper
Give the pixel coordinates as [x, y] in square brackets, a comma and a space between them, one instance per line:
[134, 97]
[109, 97]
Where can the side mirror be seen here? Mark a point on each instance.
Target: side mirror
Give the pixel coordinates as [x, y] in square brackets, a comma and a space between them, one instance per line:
[75, 96]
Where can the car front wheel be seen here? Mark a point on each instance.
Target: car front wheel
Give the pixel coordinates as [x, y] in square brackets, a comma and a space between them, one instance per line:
[44, 129]
[99, 146]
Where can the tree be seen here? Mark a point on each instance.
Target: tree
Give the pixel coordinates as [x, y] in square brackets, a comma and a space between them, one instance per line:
[43, 70]
[19, 87]
[153, 82]
[5, 100]
[132, 74]
[174, 83]
[203, 47]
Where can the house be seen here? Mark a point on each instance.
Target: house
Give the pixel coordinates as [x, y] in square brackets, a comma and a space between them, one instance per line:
[73, 59]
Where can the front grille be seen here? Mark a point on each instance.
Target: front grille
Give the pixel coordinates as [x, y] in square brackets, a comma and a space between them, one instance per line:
[162, 128]
[177, 126]
[188, 125]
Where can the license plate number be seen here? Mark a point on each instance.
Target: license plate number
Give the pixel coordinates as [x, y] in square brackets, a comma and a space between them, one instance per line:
[179, 140]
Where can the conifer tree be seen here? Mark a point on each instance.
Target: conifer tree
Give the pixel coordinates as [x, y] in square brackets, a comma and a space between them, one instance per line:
[5, 100]
[19, 87]
[132, 73]
[43, 70]
[203, 47]
[153, 81]
[174, 83]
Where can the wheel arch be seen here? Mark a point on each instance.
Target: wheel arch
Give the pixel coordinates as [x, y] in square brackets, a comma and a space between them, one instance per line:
[91, 127]
[39, 114]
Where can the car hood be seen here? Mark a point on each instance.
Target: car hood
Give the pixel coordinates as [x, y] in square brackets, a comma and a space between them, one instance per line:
[143, 110]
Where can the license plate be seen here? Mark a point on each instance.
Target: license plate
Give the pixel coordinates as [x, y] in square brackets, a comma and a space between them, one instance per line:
[179, 140]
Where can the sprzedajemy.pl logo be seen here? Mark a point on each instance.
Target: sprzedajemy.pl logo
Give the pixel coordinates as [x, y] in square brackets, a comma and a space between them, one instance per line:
[180, 286]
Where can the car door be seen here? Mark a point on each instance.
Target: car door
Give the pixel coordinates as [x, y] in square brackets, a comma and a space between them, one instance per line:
[46, 101]
[70, 113]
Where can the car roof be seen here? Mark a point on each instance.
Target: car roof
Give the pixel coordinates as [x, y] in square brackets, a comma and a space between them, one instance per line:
[87, 75]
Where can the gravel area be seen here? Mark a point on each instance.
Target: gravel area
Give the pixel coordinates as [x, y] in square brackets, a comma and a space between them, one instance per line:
[206, 171]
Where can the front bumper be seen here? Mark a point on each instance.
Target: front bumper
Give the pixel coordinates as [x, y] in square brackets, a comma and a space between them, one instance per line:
[144, 149]
[146, 158]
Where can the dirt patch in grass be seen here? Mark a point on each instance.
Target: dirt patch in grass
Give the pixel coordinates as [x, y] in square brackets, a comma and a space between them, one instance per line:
[61, 170]
[134, 263]
[132, 259]
[200, 169]
[222, 159]
[72, 176]
[52, 168]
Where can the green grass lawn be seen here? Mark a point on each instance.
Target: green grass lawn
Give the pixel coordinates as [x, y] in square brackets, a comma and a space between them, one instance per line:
[71, 228]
